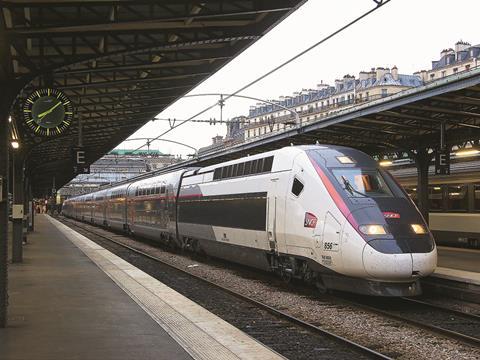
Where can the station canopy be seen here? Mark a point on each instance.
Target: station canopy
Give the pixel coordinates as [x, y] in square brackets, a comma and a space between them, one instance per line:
[120, 62]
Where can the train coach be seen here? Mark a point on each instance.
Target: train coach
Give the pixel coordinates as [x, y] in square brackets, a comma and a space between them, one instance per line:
[325, 214]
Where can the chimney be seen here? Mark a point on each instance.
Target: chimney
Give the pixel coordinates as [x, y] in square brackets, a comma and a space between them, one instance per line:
[422, 74]
[363, 75]
[217, 139]
[461, 46]
[395, 72]
[443, 53]
[380, 73]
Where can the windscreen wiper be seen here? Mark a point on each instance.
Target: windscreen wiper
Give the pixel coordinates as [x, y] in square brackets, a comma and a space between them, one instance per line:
[350, 188]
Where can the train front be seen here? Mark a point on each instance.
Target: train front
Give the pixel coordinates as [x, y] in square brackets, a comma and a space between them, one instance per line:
[383, 227]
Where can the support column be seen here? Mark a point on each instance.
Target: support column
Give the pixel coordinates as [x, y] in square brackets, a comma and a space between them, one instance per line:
[4, 166]
[422, 160]
[18, 195]
[31, 226]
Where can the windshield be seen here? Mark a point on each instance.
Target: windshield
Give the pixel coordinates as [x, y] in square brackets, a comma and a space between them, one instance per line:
[359, 182]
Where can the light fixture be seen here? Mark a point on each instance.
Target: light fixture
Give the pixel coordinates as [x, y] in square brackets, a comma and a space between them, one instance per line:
[385, 163]
[467, 152]
[418, 229]
[372, 229]
[9, 119]
[345, 160]
[15, 144]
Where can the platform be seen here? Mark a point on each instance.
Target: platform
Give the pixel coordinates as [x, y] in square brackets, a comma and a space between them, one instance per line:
[458, 264]
[72, 299]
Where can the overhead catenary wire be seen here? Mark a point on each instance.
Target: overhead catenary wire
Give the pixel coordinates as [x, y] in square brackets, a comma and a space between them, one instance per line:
[379, 3]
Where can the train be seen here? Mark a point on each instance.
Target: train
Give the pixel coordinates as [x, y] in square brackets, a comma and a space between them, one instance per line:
[328, 215]
[454, 202]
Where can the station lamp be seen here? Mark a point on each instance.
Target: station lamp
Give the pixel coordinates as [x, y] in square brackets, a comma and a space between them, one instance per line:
[385, 163]
[467, 152]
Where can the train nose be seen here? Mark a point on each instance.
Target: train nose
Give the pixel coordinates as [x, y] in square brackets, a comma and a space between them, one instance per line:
[385, 266]
[423, 264]
[382, 259]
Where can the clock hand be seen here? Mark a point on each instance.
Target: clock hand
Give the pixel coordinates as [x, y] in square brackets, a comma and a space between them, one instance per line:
[40, 116]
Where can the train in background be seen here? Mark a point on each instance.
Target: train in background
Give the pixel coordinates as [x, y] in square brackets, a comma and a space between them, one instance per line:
[325, 214]
[454, 217]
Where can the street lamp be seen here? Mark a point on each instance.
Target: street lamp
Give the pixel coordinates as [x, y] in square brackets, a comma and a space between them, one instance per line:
[15, 144]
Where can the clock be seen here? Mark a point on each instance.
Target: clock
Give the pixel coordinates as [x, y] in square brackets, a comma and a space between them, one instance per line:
[48, 112]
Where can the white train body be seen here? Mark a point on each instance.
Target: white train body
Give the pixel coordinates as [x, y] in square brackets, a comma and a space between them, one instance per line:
[322, 213]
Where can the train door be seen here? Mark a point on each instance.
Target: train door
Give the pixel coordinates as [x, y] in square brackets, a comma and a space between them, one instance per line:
[331, 245]
[272, 210]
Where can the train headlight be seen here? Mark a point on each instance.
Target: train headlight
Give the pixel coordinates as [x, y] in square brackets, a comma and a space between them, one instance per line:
[418, 229]
[372, 229]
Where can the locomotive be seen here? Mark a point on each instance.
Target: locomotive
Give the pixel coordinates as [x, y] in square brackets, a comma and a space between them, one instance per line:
[325, 214]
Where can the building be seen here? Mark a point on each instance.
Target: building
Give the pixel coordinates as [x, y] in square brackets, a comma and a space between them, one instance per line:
[325, 100]
[116, 166]
[464, 58]
[235, 135]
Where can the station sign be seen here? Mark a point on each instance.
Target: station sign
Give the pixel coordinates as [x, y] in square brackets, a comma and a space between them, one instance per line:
[79, 161]
[442, 162]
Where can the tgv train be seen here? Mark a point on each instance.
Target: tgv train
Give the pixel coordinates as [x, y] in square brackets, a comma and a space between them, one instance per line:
[324, 214]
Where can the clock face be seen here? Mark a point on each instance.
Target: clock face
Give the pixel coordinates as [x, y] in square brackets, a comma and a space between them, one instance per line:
[48, 112]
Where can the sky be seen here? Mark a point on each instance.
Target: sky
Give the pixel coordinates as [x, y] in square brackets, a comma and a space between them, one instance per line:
[406, 33]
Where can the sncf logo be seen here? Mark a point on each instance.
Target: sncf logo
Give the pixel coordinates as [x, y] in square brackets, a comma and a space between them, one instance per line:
[310, 220]
[391, 215]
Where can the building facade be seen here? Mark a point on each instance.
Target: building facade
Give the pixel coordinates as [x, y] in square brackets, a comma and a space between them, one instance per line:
[464, 57]
[325, 100]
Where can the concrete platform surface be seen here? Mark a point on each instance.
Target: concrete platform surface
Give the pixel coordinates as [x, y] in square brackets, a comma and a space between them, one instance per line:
[64, 305]
[459, 258]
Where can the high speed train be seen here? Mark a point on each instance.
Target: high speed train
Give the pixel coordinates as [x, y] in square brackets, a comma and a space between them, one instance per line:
[325, 214]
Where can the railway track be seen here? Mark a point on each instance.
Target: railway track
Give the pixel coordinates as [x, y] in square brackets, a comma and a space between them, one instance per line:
[438, 319]
[287, 335]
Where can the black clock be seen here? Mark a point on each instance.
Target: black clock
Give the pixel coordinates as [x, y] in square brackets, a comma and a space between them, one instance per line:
[48, 112]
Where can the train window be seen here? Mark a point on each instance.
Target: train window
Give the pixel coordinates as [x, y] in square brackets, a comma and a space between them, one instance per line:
[458, 197]
[224, 172]
[260, 166]
[229, 171]
[162, 189]
[248, 168]
[241, 168]
[359, 182]
[435, 197]
[297, 187]
[267, 164]
[476, 196]
[253, 169]
[217, 174]
[235, 169]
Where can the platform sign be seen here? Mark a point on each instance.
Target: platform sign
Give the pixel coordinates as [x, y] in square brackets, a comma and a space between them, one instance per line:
[79, 161]
[442, 162]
